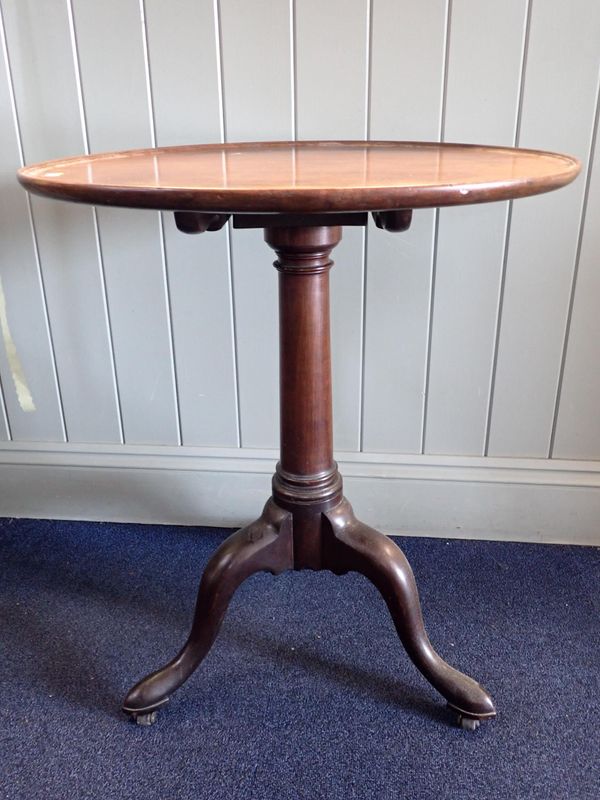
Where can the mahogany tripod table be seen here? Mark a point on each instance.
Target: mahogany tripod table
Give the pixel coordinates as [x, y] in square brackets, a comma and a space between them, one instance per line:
[302, 194]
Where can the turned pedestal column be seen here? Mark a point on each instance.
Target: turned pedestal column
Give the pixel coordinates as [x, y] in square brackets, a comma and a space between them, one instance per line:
[306, 481]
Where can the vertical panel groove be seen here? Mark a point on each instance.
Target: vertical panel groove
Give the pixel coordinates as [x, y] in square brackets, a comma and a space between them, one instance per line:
[293, 70]
[365, 242]
[582, 222]
[517, 134]
[148, 77]
[165, 271]
[436, 227]
[101, 269]
[232, 313]
[4, 412]
[2, 399]
[47, 325]
[36, 251]
[169, 314]
[368, 65]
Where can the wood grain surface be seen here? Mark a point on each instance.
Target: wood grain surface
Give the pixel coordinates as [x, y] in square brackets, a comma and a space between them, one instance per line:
[302, 177]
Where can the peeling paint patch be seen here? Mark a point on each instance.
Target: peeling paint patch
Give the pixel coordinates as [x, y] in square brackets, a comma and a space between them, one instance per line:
[16, 368]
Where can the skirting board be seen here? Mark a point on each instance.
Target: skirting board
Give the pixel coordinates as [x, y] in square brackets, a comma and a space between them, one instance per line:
[533, 500]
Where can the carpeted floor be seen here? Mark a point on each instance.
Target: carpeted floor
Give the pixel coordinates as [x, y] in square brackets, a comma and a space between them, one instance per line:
[307, 692]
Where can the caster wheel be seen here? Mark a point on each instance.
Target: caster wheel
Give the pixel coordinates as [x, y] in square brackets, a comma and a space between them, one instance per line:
[468, 723]
[145, 719]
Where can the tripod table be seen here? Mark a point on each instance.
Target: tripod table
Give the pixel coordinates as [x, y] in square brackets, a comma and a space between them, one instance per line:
[302, 194]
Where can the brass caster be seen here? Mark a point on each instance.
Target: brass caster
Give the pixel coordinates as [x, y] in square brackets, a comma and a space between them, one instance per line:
[468, 723]
[148, 718]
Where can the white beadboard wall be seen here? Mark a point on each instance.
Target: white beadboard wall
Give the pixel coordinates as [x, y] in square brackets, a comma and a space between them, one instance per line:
[466, 351]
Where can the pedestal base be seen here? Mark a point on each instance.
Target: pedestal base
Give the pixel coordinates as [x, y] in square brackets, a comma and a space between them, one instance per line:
[307, 523]
[339, 543]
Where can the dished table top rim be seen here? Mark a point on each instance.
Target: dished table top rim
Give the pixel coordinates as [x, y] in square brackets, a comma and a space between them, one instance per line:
[306, 176]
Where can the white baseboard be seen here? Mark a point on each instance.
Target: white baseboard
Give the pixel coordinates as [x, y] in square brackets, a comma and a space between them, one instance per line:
[534, 500]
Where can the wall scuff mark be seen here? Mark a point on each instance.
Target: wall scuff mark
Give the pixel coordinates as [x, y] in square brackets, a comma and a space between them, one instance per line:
[16, 368]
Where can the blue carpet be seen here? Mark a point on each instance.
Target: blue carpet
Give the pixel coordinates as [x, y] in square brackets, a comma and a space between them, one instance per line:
[307, 692]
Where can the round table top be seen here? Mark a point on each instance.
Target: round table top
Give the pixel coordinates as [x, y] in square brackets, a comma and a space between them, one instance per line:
[302, 177]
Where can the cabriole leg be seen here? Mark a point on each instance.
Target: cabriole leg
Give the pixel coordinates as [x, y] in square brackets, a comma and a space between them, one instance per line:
[264, 545]
[354, 546]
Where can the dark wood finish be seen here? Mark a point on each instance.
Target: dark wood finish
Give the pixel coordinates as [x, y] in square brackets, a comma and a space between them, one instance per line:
[200, 222]
[306, 477]
[197, 222]
[301, 193]
[395, 221]
[308, 524]
[305, 360]
[263, 546]
[350, 545]
[298, 220]
[302, 177]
